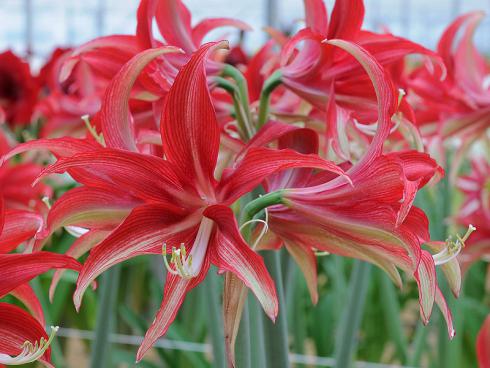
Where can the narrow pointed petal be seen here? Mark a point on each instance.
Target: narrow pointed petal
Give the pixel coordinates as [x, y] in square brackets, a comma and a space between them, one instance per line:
[28, 297]
[90, 208]
[316, 16]
[346, 20]
[451, 269]
[17, 269]
[144, 231]
[79, 247]
[189, 127]
[306, 260]
[174, 22]
[427, 283]
[482, 344]
[446, 312]
[231, 253]
[115, 116]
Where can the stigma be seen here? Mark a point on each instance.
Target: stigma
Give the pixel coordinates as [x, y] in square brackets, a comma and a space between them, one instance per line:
[453, 247]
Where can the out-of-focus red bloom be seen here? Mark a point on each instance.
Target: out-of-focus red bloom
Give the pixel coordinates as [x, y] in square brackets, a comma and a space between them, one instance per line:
[483, 344]
[18, 89]
[176, 201]
[459, 105]
[476, 211]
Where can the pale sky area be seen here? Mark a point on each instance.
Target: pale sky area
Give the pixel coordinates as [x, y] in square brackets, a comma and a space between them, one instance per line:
[71, 22]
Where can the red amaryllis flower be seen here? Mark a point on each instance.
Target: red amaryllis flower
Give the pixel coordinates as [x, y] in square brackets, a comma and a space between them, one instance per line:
[371, 218]
[459, 105]
[483, 344]
[184, 208]
[18, 89]
[475, 211]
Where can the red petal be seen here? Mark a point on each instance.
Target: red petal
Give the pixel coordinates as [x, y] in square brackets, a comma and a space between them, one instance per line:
[231, 253]
[446, 312]
[17, 327]
[427, 282]
[19, 226]
[28, 297]
[346, 20]
[259, 163]
[483, 344]
[144, 231]
[189, 128]
[17, 269]
[174, 22]
[90, 208]
[81, 246]
[316, 16]
[115, 116]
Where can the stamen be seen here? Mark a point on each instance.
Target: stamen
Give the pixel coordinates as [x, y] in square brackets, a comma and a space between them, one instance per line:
[98, 137]
[453, 247]
[401, 94]
[182, 264]
[30, 352]
[264, 229]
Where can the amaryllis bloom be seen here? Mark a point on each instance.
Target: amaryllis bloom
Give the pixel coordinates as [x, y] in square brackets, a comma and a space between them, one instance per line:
[475, 211]
[483, 344]
[371, 217]
[459, 105]
[178, 204]
[18, 89]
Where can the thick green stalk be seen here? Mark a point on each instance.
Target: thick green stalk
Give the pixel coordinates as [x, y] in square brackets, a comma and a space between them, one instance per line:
[256, 328]
[392, 313]
[265, 97]
[276, 334]
[106, 312]
[352, 317]
[243, 352]
[215, 321]
[241, 82]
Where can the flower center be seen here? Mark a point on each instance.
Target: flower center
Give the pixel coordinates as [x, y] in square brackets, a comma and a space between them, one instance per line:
[453, 247]
[189, 266]
[30, 352]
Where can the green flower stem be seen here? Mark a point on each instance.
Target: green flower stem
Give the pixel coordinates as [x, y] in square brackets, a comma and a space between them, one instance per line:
[391, 307]
[241, 82]
[352, 317]
[256, 328]
[276, 334]
[265, 97]
[258, 204]
[215, 321]
[106, 313]
[243, 352]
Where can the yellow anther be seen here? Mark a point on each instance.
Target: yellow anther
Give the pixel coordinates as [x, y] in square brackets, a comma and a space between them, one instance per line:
[453, 247]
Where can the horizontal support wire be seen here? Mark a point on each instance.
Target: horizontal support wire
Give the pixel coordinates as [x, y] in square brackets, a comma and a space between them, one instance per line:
[206, 348]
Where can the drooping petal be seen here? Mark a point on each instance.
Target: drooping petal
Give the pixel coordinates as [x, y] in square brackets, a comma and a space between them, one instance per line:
[144, 29]
[259, 163]
[231, 253]
[90, 207]
[446, 312]
[427, 283]
[28, 297]
[151, 177]
[19, 226]
[79, 247]
[17, 327]
[451, 269]
[174, 293]
[189, 126]
[385, 94]
[144, 231]
[115, 116]
[306, 260]
[17, 269]
[482, 344]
